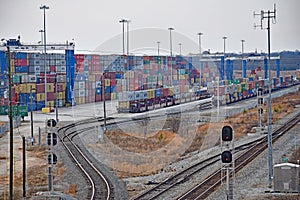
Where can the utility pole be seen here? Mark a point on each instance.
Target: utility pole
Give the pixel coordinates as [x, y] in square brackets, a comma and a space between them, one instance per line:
[268, 15]
[11, 129]
[158, 42]
[104, 104]
[243, 75]
[56, 100]
[31, 114]
[180, 48]
[200, 56]
[224, 38]
[24, 165]
[171, 29]
[9, 43]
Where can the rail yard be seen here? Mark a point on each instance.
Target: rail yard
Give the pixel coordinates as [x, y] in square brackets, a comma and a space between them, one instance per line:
[162, 122]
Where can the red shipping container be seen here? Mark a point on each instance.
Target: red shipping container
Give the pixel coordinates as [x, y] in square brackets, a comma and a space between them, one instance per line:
[98, 97]
[40, 88]
[261, 83]
[50, 78]
[165, 92]
[221, 91]
[50, 96]
[79, 68]
[21, 62]
[113, 82]
[79, 57]
[52, 68]
[60, 88]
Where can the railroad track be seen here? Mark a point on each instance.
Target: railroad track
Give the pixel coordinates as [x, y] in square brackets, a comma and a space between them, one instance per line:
[206, 187]
[245, 154]
[99, 185]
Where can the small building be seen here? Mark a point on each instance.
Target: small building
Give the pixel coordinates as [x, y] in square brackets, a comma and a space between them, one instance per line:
[286, 177]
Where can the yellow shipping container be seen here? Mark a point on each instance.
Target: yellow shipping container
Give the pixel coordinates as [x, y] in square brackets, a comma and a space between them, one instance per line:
[107, 82]
[80, 100]
[32, 85]
[239, 88]
[247, 86]
[123, 104]
[17, 89]
[113, 96]
[50, 87]
[77, 100]
[60, 95]
[92, 78]
[186, 88]
[45, 110]
[40, 96]
[23, 88]
[50, 104]
[131, 74]
[159, 82]
[151, 93]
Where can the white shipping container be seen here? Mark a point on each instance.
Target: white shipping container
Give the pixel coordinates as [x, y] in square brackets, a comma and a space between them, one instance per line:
[98, 84]
[79, 93]
[79, 85]
[61, 78]
[24, 78]
[31, 78]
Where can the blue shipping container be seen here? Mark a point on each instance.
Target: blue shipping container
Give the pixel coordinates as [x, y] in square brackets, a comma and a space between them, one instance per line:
[157, 92]
[40, 105]
[20, 55]
[21, 69]
[98, 91]
[34, 108]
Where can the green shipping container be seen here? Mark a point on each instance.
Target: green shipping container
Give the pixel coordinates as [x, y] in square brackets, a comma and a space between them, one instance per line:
[236, 81]
[16, 78]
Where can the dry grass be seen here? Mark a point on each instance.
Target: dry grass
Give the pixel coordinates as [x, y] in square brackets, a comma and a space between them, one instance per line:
[140, 145]
[242, 124]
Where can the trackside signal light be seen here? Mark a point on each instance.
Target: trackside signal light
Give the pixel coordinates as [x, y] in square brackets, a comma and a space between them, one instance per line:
[226, 157]
[259, 91]
[227, 134]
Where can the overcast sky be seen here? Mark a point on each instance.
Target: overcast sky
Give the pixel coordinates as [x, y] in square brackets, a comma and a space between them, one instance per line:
[94, 23]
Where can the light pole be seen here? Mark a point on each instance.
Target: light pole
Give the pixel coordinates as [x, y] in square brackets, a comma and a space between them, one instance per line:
[243, 75]
[224, 38]
[180, 48]
[44, 7]
[128, 21]
[171, 29]
[41, 31]
[158, 42]
[123, 21]
[200, 56]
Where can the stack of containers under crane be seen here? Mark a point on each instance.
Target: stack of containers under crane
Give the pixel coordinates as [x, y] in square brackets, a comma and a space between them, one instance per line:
[80, 79]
